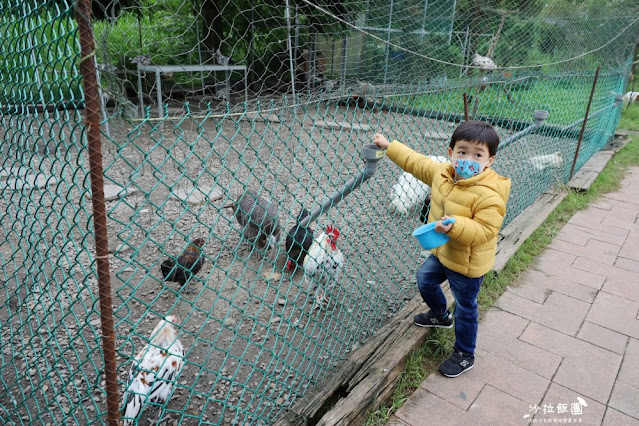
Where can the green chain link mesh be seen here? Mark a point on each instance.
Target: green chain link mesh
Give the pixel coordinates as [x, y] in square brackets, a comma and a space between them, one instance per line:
[50, 356]
[254, 340]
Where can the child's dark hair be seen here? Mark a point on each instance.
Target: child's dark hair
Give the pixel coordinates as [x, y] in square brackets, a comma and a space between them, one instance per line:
[476, 131]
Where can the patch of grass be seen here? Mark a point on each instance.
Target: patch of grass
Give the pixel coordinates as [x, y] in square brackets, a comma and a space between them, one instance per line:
[425, 360]
[630, 117]
[564, 98]
[419, 364]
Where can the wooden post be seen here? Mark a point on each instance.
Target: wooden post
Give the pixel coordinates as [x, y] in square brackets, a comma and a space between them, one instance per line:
[491, 49]
[489, 54]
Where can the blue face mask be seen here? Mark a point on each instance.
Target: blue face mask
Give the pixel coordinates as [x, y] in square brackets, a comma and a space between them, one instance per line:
[467, 168]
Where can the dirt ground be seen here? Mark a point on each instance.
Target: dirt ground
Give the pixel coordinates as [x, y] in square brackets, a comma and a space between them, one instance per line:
[253, 345]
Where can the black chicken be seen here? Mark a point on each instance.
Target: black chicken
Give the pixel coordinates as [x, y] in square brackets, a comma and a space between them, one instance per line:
[188, 264]
[298, 241]
[423, 214]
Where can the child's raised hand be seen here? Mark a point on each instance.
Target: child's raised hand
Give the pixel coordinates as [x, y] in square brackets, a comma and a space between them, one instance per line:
[442, 229]
[380, 141]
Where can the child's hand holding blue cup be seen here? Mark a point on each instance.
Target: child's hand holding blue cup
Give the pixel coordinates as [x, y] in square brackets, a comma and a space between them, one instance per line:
[429, 237]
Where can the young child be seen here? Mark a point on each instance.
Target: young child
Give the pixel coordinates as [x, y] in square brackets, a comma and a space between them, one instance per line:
[475, 195]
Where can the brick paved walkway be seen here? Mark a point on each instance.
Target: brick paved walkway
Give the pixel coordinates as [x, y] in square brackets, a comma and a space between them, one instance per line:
[562, 345]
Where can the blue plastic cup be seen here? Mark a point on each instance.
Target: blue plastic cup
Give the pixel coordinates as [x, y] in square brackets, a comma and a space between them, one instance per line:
[429, 238]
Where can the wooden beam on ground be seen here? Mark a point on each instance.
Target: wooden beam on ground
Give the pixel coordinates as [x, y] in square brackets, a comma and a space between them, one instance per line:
[329, 124]
[367, 378]
[522, 227]
[254, 116]
[584, 178]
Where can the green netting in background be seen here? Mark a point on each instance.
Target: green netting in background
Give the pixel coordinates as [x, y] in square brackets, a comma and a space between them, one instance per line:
[254, 339]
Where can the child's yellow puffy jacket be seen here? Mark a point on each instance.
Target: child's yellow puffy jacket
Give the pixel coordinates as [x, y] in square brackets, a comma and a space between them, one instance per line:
[478, 204]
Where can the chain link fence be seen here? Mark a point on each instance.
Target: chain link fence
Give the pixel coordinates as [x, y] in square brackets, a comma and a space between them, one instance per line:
[203, 101]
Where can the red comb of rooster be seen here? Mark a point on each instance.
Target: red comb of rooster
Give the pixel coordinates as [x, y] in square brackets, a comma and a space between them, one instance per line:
[332, 231]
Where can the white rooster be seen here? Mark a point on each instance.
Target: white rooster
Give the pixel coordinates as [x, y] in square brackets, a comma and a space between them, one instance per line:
[324, 261]
[541, 162]
[631, 97]
[483, 62]
[410, 191]
[154, 371]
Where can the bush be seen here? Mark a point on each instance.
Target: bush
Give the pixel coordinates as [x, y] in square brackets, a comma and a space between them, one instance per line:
[167, 36]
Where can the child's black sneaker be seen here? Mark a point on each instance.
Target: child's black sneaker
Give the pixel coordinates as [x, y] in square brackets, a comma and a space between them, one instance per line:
[457, 364]
[431, 319]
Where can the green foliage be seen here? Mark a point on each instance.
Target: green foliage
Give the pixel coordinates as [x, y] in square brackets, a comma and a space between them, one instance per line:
[536, 32]
[440, 342]
[167, 35]
[169, 32]
[345, 10]
[104, 9]
[406, 68]
[630, 111]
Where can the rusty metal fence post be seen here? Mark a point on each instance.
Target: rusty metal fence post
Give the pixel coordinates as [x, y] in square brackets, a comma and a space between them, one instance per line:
[465, 106]
[583, 125]
[92, 128]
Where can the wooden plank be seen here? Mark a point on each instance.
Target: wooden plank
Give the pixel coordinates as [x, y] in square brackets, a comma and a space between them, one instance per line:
[197, 196]
[328, 124]
[584, 178]
[29, 182]
[436, 134]
[382, 354]
[253, 116]
[616, 144]
[380, 377]
[522, 227]
[14, 172]
[598, 161]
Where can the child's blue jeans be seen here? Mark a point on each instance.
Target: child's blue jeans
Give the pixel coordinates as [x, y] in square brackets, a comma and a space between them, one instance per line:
[465, 290]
